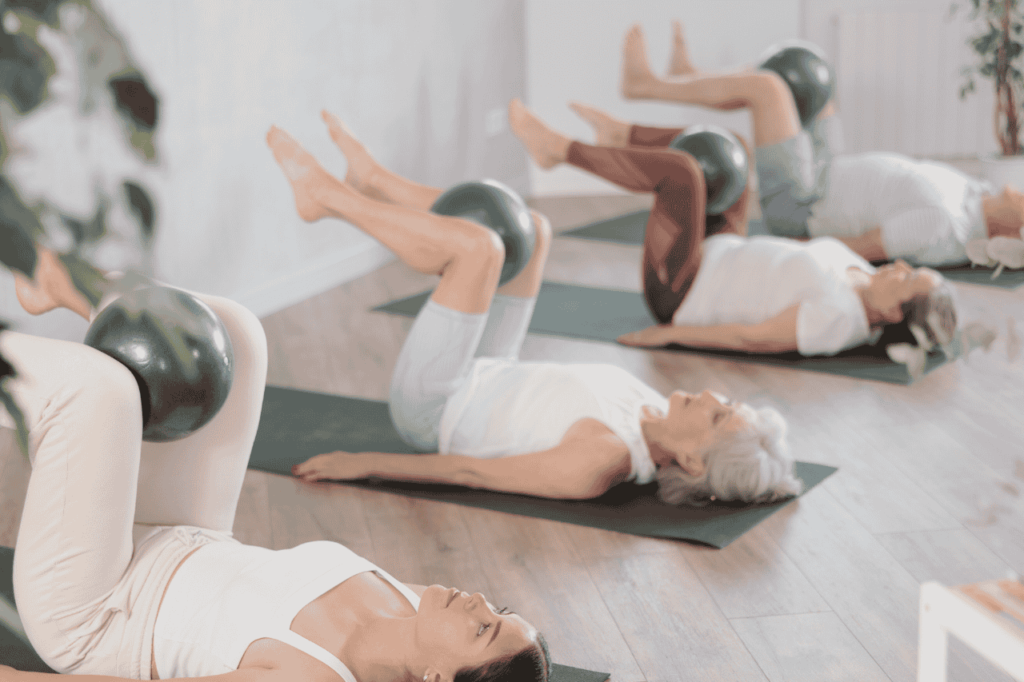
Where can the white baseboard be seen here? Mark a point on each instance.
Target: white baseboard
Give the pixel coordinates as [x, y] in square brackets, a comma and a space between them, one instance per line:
[316, 278]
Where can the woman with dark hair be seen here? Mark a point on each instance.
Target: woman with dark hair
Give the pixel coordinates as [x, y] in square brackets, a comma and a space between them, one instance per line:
[724, 290]
[882, 205]
[125, 565]
[489, 420]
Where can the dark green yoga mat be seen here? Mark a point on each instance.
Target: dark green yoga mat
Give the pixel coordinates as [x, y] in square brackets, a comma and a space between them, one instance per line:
[296, 425]
[629, 229]
[18, 653]
[604, 314]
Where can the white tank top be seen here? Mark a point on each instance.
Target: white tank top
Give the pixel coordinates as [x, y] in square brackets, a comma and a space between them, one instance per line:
[750, 280]
[506, 408]
[227, 595]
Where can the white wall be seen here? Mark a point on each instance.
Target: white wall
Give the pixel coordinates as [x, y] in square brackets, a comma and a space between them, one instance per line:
[574, 52]
[423, 83]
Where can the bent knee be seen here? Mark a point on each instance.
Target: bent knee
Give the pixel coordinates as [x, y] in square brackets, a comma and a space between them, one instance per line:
[542, 229]
[105, 385]
[480, 244]
[768, 86]
[248, 338]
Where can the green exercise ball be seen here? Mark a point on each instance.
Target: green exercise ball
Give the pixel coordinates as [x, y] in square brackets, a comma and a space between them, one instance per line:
[499, 207]
[723, 159]
[807, 73]
[177, 349]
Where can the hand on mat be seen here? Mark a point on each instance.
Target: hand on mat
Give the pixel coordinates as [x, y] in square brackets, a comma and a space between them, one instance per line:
[333, 466]
[654, 336]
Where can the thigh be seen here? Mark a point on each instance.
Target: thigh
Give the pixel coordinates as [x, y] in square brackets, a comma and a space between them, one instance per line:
[790, 182]
[434, 361]
[196, 481]
[508, 321]
[84, 417]
[827, 138]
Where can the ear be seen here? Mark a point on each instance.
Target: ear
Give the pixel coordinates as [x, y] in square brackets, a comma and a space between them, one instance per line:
[691, 463]
[434, 675]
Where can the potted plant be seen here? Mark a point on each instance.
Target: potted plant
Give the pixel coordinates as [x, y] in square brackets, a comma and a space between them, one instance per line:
[26, 69]
[999, 46]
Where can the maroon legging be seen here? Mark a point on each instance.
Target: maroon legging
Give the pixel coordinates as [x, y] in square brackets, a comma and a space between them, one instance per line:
[677, 224]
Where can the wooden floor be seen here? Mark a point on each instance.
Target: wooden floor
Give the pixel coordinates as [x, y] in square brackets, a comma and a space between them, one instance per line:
[928, 487]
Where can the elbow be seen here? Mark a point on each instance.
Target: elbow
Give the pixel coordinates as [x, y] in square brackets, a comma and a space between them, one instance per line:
[586, 489]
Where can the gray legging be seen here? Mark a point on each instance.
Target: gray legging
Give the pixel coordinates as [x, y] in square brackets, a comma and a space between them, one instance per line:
[792, 175]
[438, 355]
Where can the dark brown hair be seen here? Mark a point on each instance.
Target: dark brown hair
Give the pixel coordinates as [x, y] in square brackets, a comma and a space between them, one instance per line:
[532, 664]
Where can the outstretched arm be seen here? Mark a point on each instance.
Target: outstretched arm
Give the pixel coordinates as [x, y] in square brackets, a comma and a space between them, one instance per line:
[868, 246]
[575, 469]
[776, 335]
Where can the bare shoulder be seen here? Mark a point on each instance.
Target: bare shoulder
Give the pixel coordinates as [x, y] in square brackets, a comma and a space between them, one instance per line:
[593, 431]
[596, 445]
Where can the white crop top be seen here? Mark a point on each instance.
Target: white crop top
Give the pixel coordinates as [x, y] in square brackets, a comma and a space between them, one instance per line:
[508, 408]
[227, 595]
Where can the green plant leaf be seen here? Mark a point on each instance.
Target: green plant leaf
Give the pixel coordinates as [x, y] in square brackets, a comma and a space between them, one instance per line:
[142, 207]
[8, 372]
[25, 68]
[87, 279]
[42, 10]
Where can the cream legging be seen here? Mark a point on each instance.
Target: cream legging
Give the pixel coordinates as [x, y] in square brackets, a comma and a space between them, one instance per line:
[107, 517]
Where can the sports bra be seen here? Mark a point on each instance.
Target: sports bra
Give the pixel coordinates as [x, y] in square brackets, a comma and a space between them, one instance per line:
[228, 595]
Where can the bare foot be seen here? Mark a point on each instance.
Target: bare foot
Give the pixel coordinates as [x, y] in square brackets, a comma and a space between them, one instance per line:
[310, 182]
[362, 168]
[637, 77]
[547, 147]
[679, 64]
[608, 131]
[51, 288]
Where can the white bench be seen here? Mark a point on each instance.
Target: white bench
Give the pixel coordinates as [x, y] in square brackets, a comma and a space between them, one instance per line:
[987, 616]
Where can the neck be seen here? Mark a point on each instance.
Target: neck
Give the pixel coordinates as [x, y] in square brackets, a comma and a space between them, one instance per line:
[1000, 220]
[377, 651]
[861, 284]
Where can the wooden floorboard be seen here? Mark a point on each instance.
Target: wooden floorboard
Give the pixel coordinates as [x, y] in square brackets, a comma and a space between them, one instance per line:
[930, 486]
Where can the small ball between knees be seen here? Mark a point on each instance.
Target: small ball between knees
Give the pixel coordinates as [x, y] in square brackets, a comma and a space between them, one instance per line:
[177, 349]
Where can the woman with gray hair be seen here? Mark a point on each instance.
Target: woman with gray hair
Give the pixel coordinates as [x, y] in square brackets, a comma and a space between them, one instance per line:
[488, 420]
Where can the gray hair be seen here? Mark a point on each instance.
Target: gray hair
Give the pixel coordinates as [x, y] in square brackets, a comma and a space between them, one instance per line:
[934, 312]
[753, 465]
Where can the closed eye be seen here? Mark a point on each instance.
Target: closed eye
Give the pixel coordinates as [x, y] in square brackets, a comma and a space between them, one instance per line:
[484, 627]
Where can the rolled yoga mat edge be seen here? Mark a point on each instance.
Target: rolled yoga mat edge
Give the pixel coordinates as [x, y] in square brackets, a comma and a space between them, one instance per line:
[599, 314]
[286, 437]
[17, 653]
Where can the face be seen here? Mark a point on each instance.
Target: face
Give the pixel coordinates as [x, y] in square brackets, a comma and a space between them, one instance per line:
[895, 284]
[456, 630]
[1014, 203]
[692, 425]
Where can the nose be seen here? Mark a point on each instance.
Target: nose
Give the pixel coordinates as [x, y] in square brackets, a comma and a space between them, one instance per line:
[708, 398]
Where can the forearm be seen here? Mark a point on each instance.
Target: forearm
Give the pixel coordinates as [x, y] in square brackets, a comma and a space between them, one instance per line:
[868, 245]
[433, 468]
[741, 337]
